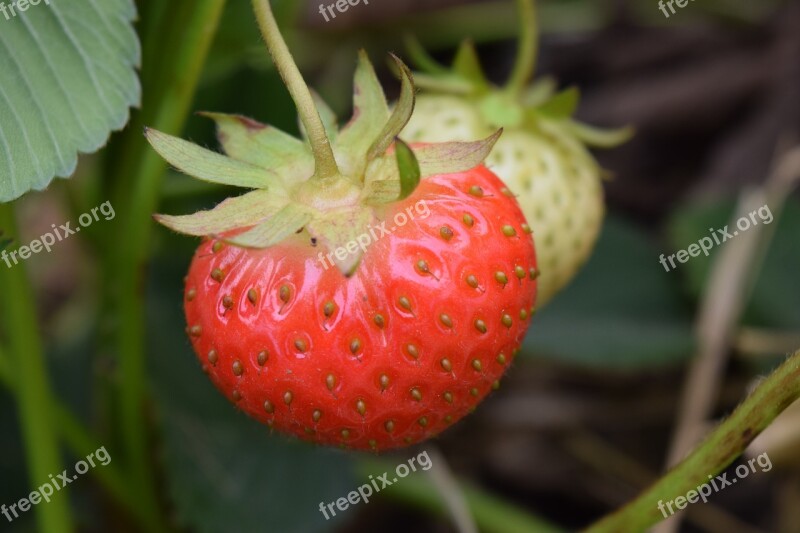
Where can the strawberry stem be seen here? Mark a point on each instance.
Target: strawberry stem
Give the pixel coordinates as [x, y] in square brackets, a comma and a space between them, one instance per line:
[320, 144]
[82, 443]
[720, 448]
[528, 48]
[34, 394]
[137, 196]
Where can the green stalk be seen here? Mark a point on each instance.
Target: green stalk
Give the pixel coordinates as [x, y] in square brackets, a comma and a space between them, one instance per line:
[525, 64]
[82, 443]
[491, 514]
[128, 265]
[716, 453]
[320, 144]
[34, 400]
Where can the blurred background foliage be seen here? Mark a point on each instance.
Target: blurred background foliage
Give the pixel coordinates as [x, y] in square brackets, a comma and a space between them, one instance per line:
[582, 420]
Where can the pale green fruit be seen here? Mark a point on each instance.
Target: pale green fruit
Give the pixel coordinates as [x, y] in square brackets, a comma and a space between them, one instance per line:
[556, 180]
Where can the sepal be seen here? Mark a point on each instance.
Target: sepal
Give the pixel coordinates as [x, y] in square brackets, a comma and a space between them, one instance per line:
[238, 212]
[400, 116]
[562, 105]
[345, 234]
[600, 137]
[290, 219]
[452, 157]
[264, 146]
[408, 168]
[206, 165]
[467, 65]
[370, 114]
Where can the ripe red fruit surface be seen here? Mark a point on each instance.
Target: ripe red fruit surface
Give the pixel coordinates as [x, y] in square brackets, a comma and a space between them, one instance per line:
[407, 345]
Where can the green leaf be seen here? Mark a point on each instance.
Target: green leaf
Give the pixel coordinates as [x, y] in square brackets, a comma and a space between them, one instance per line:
[220, 467]
[448, 158]
[267, 147]
[562, 105]
[621, 312]
[241, 211]
[774, 301]
[290, 219]
[400, 116]
[776, 298]
[408, 166]
[209, 166]
[687, 225]
[67, 79]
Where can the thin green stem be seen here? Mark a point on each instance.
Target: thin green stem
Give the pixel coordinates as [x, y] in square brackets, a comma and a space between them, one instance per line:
[34, 400]
[82, 443]
[716, 453]
[129, 262]
[320, 144]
[491, 514]
[528, 48]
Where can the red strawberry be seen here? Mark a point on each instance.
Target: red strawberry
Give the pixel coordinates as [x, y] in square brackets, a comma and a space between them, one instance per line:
[390, 356]
[400, 338]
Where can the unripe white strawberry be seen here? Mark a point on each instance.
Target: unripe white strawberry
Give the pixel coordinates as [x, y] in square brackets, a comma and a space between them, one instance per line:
[542, 155]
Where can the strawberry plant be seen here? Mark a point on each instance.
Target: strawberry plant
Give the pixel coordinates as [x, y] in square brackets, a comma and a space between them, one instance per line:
[380, 352]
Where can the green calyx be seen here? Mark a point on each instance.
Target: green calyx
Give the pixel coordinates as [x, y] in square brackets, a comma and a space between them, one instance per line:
[332, 184]
[519, 104]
